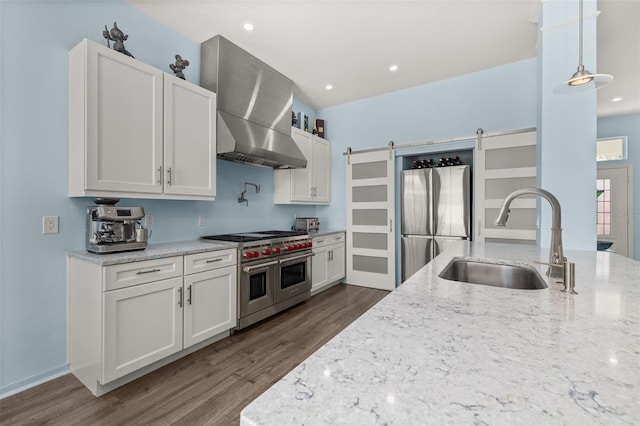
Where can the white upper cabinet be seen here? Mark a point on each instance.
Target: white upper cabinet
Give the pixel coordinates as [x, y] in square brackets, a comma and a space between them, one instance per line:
[189, 138]
[135, 131]
[311, 185]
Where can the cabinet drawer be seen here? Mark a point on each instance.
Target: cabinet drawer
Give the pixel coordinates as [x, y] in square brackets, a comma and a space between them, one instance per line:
[210, 260]
[337, 238]
[326, 240]
[128, 274]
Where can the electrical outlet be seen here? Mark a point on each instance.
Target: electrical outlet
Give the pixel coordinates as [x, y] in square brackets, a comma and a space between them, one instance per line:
[201, 220]
[148, 220]
[49, 224]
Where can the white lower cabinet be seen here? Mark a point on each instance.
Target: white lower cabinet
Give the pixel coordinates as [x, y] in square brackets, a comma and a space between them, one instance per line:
[328, 264]
[142, 325]
[337, 262]
[210, 304]
[128, 319]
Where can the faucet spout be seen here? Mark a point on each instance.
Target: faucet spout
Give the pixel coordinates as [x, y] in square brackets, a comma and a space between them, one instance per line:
[556, 256]
[241, 198]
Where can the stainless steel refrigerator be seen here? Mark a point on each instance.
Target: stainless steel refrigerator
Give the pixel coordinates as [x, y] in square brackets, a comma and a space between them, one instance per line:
[436, 209]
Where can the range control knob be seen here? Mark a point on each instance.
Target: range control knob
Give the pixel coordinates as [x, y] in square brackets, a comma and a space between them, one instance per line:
[289, 248]
[256, 254]
[248, 255]
[266, 252]
[277, 250]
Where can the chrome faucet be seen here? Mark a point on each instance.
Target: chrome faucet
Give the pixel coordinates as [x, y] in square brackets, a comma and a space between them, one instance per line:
[556, 257]
[241, 198]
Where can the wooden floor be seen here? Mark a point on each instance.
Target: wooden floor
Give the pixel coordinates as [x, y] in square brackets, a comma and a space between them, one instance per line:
[210, 386]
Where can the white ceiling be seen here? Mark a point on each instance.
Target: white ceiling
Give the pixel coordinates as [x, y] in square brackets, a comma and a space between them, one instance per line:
[350, 44]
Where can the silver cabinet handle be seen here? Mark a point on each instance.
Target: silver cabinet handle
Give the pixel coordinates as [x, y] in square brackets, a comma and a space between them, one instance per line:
[169, 175]
[390, 225]
[331, 255]
[147, 272]
[214, 260]
[159, 180]
[180, 297]
[320, 241]
[189, 295]
[262, 265]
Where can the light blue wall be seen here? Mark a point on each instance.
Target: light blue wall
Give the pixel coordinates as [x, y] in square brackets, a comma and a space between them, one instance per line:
[567, 136]
[35, 39]
[494, 99]
[629, 126]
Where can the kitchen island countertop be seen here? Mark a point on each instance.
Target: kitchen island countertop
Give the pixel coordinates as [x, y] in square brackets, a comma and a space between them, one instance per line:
[153, 251]
[442, 352]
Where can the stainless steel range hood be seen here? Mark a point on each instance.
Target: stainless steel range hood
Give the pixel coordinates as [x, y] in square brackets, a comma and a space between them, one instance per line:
[254, 107]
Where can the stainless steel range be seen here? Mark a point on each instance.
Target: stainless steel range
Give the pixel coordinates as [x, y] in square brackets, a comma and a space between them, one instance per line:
[274, 272]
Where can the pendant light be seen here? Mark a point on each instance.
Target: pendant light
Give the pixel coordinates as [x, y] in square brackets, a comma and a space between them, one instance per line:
[582, 80]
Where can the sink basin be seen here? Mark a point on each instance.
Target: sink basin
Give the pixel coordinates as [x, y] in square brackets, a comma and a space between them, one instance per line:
[493, 274]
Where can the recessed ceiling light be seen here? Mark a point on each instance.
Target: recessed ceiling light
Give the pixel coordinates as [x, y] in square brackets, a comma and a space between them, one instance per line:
[616, 99]
[328, 87]
[248, 27]
[393, 68]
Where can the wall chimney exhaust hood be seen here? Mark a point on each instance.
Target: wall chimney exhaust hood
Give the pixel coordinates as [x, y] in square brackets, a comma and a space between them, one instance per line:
[254, 107]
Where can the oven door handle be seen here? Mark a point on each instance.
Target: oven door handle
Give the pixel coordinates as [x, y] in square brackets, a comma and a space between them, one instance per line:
[288, 259]
[261, 265]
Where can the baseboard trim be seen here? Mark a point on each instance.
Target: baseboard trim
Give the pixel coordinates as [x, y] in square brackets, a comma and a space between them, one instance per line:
[29, 382]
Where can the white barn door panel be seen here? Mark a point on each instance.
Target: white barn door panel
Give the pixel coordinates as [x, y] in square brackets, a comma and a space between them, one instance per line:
[370, 220]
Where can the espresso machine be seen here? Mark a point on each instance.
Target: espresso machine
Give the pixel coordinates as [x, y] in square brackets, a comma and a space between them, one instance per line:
[112, 229]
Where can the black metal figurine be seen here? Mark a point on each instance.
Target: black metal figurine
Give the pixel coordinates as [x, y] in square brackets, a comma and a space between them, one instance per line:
[118, 37]
[179, 66]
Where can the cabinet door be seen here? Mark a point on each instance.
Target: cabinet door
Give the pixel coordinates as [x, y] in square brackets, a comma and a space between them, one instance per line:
[321, 169]
[123, 102]
[319, 268]
[142, 324]
[189, 138]
[301, 178]
[337, 262]
[210, 304]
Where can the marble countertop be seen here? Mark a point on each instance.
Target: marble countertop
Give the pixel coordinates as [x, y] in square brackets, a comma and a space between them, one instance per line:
[324, 232]
[153, 251]
[441, 352]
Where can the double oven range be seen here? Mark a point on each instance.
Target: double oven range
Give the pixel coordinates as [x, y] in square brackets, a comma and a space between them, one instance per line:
[274, 272]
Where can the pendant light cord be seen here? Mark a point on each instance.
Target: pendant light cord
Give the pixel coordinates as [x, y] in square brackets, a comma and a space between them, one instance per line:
[580, 65]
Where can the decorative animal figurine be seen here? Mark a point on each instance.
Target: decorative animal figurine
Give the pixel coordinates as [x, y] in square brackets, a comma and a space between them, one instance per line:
[118, 37]
[179, 66]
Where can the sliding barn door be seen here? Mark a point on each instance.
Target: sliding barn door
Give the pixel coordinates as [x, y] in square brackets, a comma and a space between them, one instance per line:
[370, 220]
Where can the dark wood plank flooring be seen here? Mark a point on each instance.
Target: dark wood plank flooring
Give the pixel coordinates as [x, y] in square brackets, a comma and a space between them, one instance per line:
[210, 386]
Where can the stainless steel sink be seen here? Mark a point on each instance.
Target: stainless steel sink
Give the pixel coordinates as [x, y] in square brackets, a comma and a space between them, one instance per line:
[494, 274]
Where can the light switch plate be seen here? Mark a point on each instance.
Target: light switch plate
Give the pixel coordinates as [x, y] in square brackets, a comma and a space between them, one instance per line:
[201, 220]
[148, 220]
[49, 224]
